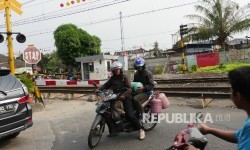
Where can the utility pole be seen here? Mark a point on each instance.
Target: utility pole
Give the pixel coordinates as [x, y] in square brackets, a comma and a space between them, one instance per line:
[174, 38]
[122, 38]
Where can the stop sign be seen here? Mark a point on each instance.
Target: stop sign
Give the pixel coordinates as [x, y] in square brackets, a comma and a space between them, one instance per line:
[31, 55]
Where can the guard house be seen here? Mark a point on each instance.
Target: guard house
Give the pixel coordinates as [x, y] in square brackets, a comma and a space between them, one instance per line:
[96, 67]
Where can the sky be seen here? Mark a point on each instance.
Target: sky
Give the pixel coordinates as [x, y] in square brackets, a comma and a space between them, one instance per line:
[144, 22]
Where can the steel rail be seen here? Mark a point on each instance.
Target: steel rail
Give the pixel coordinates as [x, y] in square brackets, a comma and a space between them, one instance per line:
[213, 92]
[192, 80]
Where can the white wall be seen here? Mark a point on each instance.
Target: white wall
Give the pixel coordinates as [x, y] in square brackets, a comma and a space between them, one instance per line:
[100, 70]
[24, 69]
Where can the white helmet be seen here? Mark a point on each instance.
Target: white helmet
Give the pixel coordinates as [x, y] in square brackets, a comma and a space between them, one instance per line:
[116, 65]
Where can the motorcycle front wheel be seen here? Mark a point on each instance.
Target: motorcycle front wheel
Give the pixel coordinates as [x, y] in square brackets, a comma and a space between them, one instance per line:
[147, 126]
[95, 135]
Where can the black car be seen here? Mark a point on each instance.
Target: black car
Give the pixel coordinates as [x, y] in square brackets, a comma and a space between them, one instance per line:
[15, 110]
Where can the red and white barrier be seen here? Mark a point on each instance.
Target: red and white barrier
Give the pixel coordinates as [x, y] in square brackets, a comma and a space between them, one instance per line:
[49, 82]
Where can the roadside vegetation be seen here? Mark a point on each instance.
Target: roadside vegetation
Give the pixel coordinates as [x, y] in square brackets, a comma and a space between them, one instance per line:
[27, 81]
[222, 68]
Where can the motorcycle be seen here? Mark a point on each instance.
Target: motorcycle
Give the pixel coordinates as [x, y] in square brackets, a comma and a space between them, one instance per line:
[191, 135]
[107, 114]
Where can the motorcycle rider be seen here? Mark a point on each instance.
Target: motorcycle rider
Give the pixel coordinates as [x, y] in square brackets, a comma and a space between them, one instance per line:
[117, 82]
[146, 78]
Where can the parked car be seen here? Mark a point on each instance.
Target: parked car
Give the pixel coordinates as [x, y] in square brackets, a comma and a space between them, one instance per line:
[15, 110]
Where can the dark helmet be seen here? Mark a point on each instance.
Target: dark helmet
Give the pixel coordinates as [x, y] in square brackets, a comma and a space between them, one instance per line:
[139, 62]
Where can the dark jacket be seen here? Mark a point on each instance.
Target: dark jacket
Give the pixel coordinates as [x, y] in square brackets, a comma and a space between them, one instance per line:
[146, 78]
[117, 83]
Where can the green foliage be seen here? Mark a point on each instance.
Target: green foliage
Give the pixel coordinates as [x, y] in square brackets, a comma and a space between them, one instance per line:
[54, 63]
[159, 69]
[193, 68]
[222, 67]
[43, 63]
[179, 68]
[73, 42]
[20, 57]
[26, 81]
[178, 43]
[220, 19]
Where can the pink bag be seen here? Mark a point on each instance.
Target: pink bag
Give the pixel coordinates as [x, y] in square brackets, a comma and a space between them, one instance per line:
[164, 100]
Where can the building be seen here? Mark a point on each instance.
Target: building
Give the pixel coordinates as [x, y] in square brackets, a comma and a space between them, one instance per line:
[198, 48]
[96, 67]
[132, 54]
[238, 44]
[4, 62]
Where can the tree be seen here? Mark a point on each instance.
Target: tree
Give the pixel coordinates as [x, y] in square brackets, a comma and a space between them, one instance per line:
[221, 19]
[54, 63]
[73, 42]
[156, 50]
[43, 63]
[178, 43]
[20, 57]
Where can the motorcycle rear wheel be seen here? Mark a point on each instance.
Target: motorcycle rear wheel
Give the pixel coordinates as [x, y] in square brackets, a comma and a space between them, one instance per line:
[95, 135]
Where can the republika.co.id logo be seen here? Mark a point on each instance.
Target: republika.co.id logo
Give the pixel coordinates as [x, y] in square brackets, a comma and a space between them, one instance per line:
[183, 118]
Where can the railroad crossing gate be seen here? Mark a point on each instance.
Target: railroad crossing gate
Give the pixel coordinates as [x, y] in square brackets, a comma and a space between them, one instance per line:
[31, 55]
[12, 4]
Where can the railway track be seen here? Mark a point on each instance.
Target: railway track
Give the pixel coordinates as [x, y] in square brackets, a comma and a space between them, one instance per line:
[195, 80]
[89, 89]
[177, 91]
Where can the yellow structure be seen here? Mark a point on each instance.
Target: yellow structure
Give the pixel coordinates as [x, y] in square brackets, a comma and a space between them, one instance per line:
[15, 6]
[184, 67]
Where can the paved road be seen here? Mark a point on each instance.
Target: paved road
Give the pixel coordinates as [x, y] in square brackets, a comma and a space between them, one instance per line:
[64, 125]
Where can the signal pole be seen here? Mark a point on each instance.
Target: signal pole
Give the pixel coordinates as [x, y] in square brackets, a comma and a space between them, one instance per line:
[9, 38]
[16, 6]
[183, 30]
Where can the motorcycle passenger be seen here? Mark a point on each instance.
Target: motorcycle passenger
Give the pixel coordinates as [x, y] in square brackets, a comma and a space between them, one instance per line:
[146, 78]
[117, 82]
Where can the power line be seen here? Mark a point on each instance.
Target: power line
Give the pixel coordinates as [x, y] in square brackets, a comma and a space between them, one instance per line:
[36, 3]
[116, 18]
[25, 3]
[115, 39]
[52, 12]
[130, 37]
[30, 1]
[138, 36]
[43, 18]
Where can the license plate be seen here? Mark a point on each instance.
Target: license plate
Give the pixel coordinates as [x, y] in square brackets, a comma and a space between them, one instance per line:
[6, 108]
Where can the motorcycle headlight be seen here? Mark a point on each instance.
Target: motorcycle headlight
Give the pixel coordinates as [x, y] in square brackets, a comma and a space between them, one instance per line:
[98, 104]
